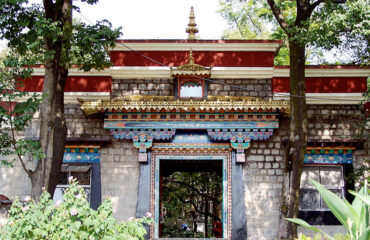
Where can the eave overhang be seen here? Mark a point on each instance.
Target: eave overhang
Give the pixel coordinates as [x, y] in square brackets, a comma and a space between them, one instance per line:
[169, 103]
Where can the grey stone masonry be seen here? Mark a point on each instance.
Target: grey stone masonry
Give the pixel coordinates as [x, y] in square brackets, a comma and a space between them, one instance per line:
[242, 88]
[263, 185]
[216, 87]
[155, 87]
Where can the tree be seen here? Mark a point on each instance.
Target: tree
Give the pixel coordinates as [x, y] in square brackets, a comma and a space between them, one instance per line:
[343, 39]
[252, 19]
[15, 116]
[305, 26]
[47, 32]
[191, 195]
[308, 24]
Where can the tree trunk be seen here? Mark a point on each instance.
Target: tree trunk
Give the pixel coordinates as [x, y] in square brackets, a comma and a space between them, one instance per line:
[206, 210]
[53, 127]
[298, 130]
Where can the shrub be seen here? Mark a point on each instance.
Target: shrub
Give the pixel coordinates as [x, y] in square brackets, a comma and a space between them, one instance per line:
[354, 217]
[69, 219]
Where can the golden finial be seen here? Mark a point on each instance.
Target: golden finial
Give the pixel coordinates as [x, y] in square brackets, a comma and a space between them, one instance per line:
[191, 59]
[192, 26]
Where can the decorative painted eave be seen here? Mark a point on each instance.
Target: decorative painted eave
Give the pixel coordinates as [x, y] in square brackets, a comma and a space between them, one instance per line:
[169, 103]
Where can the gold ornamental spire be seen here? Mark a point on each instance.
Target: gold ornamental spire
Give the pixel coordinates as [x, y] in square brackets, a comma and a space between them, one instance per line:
[192, 26]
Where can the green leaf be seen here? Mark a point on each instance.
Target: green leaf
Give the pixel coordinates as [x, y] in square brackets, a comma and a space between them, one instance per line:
[308, 226]
[363, 197]
[342, 211]
[365, 235]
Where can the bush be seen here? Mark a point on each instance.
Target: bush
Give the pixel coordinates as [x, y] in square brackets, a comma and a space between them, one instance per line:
[70, 219]
[354, 217]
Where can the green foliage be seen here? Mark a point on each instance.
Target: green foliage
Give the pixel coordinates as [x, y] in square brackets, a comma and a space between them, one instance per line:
[342, 27]
[70, 219]
[319, 237]
[16, 115]
[26, 27]
[245, 19]
[189, 197]
[354, 217]
[252, 19]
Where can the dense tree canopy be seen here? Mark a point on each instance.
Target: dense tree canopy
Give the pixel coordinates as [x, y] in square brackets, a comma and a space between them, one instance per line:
[336, 33]
[46, 34]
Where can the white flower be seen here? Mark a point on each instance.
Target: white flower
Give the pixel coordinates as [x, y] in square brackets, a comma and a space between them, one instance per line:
[26, 208]
[73, 212]
[27, 198]
[70, 179]
[131, 218]
[79, 196]
[58, 203]
[148, 214]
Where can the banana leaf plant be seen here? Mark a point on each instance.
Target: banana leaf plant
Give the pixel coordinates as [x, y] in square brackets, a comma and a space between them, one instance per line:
[354, 217]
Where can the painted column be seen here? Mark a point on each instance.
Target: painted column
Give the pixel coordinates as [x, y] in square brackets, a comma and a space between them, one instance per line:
[238, 215]
[143, 201]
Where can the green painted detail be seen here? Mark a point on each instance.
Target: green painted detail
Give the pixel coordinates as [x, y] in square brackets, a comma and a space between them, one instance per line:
[96, 150]
[313, 151]
[143, 145]
[349, 151]
[237, 145]
[77, 150]
[322, 150]
[340, 151]
[68, 150]
[331, 151]
[86, 150]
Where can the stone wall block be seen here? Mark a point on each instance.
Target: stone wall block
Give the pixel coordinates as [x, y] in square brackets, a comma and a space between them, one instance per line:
[257, 158]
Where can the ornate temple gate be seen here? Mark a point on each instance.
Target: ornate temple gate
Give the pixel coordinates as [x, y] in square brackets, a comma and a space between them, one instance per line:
[227, 125]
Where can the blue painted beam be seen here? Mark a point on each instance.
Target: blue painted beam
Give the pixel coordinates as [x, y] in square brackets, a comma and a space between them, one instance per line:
[191, 125]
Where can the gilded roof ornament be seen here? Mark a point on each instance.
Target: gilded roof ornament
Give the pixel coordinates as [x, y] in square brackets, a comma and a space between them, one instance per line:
[191, 68]
[192, 26]
[168, 103]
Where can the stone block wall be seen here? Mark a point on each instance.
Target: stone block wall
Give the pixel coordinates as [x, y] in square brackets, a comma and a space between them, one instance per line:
[242, 88]
[339, 123]
[218, 87]
[120, 177]
[263, 184]
[155, 87]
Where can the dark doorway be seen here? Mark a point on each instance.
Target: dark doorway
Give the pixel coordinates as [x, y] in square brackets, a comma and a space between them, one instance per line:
[191, 198]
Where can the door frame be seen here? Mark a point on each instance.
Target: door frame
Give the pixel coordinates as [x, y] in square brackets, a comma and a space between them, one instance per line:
[224, 156]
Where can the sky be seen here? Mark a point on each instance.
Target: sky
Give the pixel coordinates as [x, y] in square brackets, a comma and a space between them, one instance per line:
[154, 19]
[157, 19]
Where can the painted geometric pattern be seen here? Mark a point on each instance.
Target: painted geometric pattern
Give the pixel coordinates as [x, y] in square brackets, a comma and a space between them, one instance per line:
[240, 135]
[328, 158]
[115, 125]
[142, 135]
[77, 157]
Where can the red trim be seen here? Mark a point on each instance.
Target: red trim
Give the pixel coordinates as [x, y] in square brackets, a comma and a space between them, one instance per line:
[194, 41]
[326, 67]
[8, 105]
[205, 58]
[73, 84]
[324, 84]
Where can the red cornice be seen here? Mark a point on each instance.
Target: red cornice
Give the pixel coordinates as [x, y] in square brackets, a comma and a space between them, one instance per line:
[323, 84]
[204, 58]
[73, 84]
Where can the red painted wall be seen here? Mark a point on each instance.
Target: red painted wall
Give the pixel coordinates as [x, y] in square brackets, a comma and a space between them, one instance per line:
[205, 58]
[324, 84]
[73, 84]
